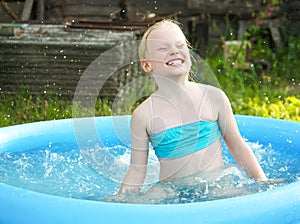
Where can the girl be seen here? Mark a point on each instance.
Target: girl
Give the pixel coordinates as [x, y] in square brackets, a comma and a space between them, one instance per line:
[183, 120]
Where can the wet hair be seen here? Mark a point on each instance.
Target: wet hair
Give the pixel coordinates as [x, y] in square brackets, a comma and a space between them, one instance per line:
[143, 44]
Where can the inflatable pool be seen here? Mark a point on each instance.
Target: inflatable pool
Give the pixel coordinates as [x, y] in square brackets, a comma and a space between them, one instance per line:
[21, 205]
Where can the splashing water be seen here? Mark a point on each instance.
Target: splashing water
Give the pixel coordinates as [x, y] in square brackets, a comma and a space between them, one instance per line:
[68, 173]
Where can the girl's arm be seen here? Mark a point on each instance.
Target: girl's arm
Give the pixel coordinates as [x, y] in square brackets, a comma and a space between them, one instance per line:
[236, 144]
[136, 174]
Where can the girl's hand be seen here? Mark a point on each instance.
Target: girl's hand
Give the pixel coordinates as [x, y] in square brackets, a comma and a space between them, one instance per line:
[272, 181]
[128, 197]
[114, 198]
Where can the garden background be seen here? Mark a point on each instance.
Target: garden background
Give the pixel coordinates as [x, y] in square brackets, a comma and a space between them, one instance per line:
[251, 89]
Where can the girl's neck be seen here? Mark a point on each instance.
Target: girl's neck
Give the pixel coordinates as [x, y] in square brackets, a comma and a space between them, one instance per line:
[172, 87]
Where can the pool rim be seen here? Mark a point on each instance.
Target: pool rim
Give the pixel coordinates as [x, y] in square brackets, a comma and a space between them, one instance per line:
[279, 211]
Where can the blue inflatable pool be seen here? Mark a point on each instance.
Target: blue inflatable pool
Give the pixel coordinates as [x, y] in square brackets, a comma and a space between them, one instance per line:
[20, 205]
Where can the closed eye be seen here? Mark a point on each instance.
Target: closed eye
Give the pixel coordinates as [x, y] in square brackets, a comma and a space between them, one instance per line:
[162, 49]
[180, 46]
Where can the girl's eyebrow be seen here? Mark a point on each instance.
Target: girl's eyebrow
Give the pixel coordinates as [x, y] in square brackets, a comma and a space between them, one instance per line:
[181, 42]
[165, 41]
[157, 39]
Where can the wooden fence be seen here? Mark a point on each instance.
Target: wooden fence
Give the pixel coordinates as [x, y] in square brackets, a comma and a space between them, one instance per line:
[51, 59]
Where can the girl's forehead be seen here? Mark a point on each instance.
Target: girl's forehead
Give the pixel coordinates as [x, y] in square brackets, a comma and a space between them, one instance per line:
[165, 33]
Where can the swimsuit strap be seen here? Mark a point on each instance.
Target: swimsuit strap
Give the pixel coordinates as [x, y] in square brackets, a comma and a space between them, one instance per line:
[151, 112]
[202, 103]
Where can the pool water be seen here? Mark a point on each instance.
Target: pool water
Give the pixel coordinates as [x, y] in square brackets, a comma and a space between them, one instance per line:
[96, 174]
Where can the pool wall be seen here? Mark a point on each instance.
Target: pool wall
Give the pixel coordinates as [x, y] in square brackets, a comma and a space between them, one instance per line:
[17, 205]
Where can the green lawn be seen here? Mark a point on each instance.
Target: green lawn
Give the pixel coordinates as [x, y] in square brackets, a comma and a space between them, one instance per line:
[250, 91]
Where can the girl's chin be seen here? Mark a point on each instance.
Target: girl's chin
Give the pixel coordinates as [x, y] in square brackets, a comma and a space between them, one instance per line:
[171, 74]
[172, 71]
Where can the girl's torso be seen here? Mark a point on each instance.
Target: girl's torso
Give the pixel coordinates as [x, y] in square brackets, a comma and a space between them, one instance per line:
[189, 120]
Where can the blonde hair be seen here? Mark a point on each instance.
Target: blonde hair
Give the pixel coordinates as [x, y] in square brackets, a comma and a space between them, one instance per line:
[143, 44]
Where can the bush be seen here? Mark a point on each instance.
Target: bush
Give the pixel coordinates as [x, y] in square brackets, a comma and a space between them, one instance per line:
[286, 108]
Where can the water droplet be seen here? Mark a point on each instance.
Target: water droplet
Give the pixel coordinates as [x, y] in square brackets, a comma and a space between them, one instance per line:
[289, 141]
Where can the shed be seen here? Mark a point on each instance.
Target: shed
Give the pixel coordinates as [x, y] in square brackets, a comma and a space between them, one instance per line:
[50, 59]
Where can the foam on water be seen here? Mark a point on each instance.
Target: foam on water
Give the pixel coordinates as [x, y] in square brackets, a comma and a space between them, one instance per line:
[96, 174]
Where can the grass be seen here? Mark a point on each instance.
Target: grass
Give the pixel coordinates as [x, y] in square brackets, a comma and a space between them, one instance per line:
[250, 91]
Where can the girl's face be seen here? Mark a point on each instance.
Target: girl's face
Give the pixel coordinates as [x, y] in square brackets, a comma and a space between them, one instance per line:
[168, 53]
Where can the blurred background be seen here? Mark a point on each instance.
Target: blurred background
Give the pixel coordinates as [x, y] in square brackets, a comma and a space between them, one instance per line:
[252, 47]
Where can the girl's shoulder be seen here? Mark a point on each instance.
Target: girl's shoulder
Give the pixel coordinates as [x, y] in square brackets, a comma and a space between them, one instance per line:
[143, 106]
[141, 112]
[215, 95]
[211, 90]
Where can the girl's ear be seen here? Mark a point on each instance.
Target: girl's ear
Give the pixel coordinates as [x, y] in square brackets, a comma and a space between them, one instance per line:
[146, 65]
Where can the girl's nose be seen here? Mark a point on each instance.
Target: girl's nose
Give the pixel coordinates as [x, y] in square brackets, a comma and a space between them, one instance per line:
[174, 50]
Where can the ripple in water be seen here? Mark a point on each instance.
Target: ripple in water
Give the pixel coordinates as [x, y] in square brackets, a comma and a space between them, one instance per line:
[96, 174]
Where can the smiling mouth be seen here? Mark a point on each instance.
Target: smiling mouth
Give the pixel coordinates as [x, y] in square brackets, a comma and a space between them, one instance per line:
[175, 61]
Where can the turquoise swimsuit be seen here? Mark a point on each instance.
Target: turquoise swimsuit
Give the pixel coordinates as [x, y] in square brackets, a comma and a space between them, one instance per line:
[183, 140]
[186, 139]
